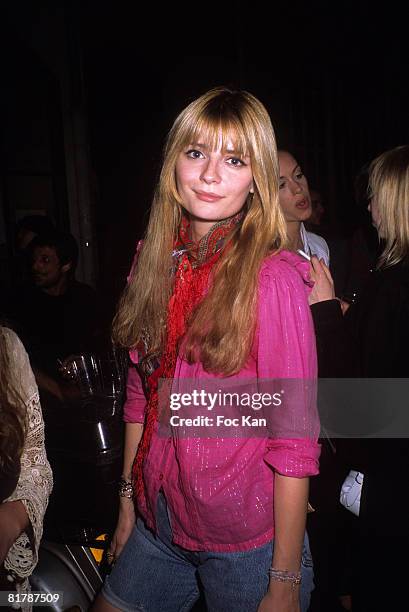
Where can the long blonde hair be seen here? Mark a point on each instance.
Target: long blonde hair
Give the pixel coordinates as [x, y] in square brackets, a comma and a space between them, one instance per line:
[227, 313]
[389, 187]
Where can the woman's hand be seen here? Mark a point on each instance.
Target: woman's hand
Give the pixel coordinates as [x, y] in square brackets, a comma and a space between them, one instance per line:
[323, 284]
[126, 519]
[280, 597]
[13, 521]
[126, 522]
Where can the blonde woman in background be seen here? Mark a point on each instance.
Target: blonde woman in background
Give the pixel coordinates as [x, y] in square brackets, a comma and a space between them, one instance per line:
[371, 342]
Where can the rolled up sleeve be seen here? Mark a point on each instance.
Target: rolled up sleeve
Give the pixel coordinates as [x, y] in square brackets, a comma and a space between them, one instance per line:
[295, 458]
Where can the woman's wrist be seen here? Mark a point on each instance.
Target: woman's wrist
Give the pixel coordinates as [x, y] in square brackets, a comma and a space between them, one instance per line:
[127, 504]
[284, 576]
[125, 488]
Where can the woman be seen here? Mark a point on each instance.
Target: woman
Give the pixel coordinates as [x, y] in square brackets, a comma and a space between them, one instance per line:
[371, 342]
[189, 313]
[25, 474]
[295, 202]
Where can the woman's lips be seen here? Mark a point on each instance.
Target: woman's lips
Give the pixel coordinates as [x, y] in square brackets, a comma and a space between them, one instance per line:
[303, 204]
[207, 197]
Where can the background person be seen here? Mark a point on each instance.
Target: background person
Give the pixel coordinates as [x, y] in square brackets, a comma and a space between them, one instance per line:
[54, 314]
[295, 202]
[27, 228]
[25, 474]
[371, 342]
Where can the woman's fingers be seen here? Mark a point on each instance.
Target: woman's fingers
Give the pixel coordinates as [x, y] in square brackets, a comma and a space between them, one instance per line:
[124, 528]
[323, 288]
[115, 548]
[113, 552]
[320, 269]
[111, 557]
[318, 265]
[326, 271]
[315, 263]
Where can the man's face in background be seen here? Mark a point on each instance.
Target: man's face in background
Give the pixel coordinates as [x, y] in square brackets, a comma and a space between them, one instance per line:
[47, 270]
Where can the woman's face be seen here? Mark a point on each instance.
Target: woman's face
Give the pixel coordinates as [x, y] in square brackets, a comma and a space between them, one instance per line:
[294, 195]
[213, 184]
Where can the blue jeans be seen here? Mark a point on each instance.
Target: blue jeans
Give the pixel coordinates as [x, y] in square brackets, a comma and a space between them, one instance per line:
[154, 575]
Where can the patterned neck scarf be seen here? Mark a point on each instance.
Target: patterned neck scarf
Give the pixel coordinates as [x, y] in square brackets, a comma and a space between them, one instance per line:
[210, 244]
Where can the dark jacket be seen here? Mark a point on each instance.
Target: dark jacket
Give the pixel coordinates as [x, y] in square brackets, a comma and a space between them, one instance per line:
[369, 342]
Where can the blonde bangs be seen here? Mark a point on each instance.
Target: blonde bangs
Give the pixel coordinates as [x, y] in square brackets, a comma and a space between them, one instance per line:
[225, 133]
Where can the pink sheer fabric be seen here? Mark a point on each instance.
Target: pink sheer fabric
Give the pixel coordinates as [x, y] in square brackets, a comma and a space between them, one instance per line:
[220, 490]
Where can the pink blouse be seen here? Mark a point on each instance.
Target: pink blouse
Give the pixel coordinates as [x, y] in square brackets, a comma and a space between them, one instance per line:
[219, 490]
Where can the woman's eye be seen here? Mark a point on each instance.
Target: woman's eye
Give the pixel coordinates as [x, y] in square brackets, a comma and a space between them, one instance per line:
[235, 161]
[281, 185]
[299, 175]
[194, 154]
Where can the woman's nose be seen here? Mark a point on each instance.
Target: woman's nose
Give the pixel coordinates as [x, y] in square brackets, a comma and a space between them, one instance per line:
[296, 187]
[210, 173]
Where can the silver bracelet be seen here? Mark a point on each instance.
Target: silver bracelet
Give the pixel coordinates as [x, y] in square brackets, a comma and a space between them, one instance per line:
[285, 576]
[125, 488]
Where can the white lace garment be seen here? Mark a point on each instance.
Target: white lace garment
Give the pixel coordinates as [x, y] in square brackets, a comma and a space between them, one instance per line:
[35, 482]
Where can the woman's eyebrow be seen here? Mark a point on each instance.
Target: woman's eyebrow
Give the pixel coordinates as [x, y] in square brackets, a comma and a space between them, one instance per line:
[230, 150]
[292, 171]
[201, 145]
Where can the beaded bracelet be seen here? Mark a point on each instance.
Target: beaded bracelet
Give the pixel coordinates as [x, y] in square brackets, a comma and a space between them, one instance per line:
[126, 488]
[284, 576]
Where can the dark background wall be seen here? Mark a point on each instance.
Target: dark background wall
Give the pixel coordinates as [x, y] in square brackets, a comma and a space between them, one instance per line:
[333, 77]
